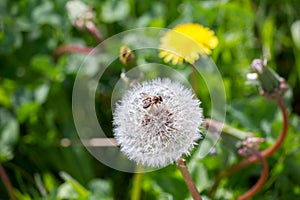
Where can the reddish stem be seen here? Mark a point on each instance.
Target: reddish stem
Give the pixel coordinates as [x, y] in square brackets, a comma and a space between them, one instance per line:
[93, 29]
[7, 183]
[71, 49]
[265, 153]
[181, 164]
[274, 147]
[260, 182]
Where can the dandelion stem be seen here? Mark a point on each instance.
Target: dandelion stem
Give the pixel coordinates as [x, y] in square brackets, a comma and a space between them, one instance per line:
[91, 142]
[216, 127]
[181, 164]
[265, 153]
[284, 130]
[7, 183]
[260, 182]
[137, 182]
[70, 49]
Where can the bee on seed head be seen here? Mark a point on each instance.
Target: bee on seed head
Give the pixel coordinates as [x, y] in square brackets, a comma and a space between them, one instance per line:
[149, 101]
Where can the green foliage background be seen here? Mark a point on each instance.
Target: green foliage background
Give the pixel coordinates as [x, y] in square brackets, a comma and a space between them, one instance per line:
[36, 97]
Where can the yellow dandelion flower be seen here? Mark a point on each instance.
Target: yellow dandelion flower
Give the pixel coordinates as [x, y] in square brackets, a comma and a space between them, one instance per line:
[187, 42]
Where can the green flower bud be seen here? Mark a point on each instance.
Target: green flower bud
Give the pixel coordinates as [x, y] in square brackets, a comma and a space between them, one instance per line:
[271, 84]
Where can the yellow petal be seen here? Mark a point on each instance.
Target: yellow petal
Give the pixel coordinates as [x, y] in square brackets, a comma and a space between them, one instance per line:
[187, 42]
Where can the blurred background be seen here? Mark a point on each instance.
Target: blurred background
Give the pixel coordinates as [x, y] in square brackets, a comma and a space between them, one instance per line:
[36, 97]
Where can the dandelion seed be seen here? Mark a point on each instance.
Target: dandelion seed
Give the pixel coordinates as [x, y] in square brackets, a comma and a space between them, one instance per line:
[159, 133]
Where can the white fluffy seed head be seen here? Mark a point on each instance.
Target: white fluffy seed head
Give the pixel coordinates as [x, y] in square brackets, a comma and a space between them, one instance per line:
[161, 133]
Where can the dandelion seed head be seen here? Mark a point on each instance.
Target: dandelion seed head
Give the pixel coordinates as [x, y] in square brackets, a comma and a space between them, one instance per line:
[161, 133]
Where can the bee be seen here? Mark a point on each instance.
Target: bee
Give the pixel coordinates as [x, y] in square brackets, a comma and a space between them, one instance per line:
[126, 55]
[149, 101]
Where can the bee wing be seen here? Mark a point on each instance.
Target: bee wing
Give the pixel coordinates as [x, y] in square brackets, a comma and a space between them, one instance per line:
[143, 94]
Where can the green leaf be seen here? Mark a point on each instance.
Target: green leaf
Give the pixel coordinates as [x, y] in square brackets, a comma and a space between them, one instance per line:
[72, 186]
[41, 93]
[100, 189]
[113, 11]
[49, 181]
[295, 30]
[27, 101]
[43, 64]
[66, 191]
[11, 38]
[44, 14]
[19, 195]
[7, 87]
[199, 174]
[27, 111]
[268, 33]
[166, 183]
[246, 114]
[4, 98]
[9, 135]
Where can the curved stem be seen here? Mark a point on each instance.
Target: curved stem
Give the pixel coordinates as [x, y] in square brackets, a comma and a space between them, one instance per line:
[275, 146]
[7, 183]
[181, 164]
[283, 133]
[71, 49]
[265, 153]
[260, 182]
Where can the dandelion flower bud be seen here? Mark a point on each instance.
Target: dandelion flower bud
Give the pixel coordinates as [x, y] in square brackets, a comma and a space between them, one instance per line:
[157, 122]
[271, 84]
